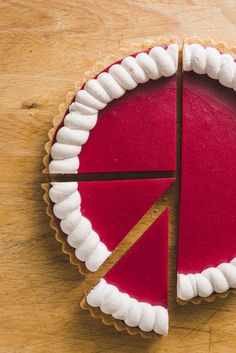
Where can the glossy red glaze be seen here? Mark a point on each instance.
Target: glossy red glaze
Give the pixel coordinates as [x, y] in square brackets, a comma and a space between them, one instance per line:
[208, 174]
[114, 207]
[142, 272]
[136, 132]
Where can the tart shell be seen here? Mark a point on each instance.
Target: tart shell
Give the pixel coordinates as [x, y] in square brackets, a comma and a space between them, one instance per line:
[119, 325]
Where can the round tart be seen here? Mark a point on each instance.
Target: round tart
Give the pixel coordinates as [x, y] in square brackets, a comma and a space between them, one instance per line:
[117, 136]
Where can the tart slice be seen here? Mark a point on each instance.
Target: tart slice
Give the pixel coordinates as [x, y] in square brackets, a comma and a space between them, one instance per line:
[93, 217]
[101, 133]
[207, 241]
[134, 291]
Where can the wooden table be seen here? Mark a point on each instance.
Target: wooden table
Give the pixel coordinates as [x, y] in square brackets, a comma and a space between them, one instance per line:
[45, 47]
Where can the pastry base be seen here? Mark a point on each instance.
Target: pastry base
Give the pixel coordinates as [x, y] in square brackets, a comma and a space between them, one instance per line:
[118, 324]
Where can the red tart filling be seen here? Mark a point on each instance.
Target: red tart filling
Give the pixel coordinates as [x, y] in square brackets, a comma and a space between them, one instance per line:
[208, 170]
[142, 272]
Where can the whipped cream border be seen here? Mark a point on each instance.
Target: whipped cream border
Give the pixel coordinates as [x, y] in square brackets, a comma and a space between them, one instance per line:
[213, 279]
[209, 61]
[221, 67]
[123, 307]
[80, 235]
[97, 93]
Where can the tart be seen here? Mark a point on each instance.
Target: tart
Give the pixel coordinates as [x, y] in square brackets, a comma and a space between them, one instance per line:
[134, 291]
[121, 116]
[120, 122]
[94, 217]
[115, 122]
[207, 241]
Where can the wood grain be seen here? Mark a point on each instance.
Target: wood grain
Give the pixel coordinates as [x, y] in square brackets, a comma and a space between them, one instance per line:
[45, 47]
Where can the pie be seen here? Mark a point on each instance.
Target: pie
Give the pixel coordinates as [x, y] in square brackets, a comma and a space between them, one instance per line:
[207, 241]
[83, 210]
[150, 120]
[135, 291]
[145, 84]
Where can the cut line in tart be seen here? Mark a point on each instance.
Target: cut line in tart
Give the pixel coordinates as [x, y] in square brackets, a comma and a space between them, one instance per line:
[134, 291]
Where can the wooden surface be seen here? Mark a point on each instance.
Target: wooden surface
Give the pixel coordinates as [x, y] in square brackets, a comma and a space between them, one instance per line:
[45, 47]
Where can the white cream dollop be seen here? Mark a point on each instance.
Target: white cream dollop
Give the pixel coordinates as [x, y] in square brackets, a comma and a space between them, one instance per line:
[76, 120]
[165, 63]
[64, 166]
[72, 136]
[83, 97]
[64, 151]
[213, 279]
[148, 65]
[134, 313]
[60, 191]
[97, 93]
[97, 257]
[96, 90]
[122, 76]
[80, 235]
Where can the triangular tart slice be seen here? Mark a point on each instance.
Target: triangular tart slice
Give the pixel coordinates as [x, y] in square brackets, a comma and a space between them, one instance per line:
[135, 290]
[207, 242]
[101, 133]
[94, 217]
